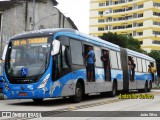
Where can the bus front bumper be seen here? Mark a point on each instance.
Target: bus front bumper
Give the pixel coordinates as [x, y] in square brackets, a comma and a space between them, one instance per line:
[35, 94]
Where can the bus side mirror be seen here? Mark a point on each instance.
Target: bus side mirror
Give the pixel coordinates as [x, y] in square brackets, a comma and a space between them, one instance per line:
[56, 47]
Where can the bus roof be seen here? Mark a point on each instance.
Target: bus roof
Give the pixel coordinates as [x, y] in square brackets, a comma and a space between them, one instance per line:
[96, 39]
[137, 54]
[42, 32]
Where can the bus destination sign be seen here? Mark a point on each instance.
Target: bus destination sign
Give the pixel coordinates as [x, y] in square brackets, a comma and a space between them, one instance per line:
[30, 41]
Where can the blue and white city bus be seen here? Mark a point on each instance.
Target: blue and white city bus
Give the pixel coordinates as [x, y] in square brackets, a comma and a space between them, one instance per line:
[50, 63]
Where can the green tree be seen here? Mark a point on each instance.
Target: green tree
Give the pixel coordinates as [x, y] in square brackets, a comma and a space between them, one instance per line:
[133, 44]
[115, 38]
[122, 40]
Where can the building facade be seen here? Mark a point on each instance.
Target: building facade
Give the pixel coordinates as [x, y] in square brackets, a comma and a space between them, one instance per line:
[137, 18]
[17, 16]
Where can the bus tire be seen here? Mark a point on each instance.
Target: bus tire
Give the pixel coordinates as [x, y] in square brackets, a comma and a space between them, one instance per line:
[38, 100]
[114, 90]
[78, 93]
[150, 86]
[145, 88]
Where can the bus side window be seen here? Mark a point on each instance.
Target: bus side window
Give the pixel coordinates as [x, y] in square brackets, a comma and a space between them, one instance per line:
[76, 52]
[65, 57]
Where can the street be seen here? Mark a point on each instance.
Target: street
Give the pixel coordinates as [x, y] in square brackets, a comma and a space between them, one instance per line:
[93, 107]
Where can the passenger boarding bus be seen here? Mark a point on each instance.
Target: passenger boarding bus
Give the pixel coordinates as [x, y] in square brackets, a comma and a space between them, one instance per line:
[50, 63]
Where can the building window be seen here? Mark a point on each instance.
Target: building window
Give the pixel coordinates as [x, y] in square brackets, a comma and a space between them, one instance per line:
[107, 3]
[140, 15]
[101, 4]
[129, 8]
[156, 23]
[156, 32]
[100, 12]
[101, 20]
[139, 33]
[129, 26]
[139, 24]
[119, 10]
[101, 29]
[109, 19]
[156, 4]
[156, 13]
[156, 42]
[140, 6]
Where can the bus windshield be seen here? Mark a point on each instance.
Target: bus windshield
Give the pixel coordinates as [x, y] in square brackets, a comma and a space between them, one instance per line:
[30, 55]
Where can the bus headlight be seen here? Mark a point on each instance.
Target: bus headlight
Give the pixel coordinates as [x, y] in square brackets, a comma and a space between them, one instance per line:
[44, 82]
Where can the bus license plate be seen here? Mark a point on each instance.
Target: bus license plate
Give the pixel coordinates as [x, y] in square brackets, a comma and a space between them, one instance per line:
[22, 94]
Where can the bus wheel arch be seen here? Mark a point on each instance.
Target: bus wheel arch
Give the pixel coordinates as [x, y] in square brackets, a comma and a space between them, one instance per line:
[81, 81]
[79, 91]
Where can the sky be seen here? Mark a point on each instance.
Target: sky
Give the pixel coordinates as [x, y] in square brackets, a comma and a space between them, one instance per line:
[78, 11]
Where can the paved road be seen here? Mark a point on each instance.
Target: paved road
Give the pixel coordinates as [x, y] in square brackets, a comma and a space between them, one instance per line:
[91, 107]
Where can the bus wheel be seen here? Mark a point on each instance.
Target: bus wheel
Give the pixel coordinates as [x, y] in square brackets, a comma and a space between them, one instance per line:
[114, 90]
[150, 86]
[38, 100]
[145, 87]
[78, 93]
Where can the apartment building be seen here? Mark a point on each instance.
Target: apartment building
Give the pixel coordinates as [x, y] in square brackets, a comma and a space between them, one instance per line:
[137, 18]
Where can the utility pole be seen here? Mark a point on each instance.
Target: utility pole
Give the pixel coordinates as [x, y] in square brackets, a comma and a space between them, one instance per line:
[33, 21]
[1, 35]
